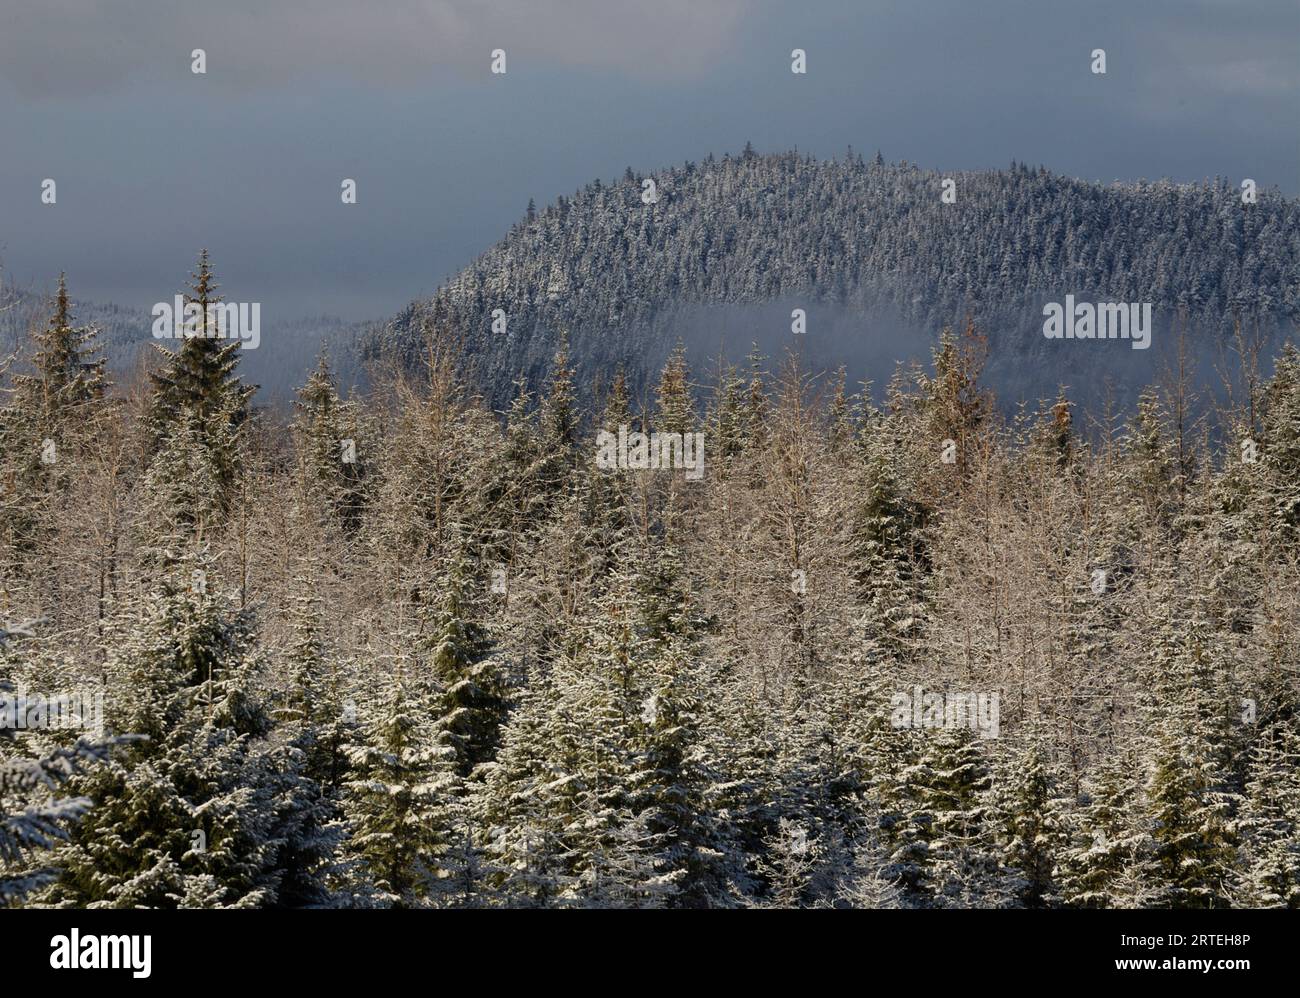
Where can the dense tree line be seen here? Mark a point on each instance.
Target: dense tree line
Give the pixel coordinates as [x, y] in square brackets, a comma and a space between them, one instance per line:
[412, 650]
[622, 277]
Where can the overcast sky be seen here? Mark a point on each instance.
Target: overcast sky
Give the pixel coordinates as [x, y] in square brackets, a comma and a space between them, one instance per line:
[153, 161]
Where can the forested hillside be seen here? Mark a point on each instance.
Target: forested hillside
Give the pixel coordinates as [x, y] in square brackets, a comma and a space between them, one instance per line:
[119, 330]
[876, 247]
[411, 649]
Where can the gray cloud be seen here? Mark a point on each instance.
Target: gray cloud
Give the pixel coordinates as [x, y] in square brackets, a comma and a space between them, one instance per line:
[64, 48]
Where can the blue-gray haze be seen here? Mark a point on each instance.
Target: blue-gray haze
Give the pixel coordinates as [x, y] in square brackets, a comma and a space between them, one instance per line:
[153, 161]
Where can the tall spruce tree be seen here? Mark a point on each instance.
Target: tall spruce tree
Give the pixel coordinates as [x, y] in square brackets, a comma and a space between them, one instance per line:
[472, 700]
[1269, 872]
[68, 370]
[400, 794]
[198, 382]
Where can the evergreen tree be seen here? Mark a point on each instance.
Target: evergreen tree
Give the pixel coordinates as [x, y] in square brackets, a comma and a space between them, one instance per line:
[329, 451]
[1189, 796]
[188, 817]
[1280, 433]
[399, 795]
[1106, 837]
[315, 710]
[198, 383]
[943, 851]
[559, 421]
[68, 371]
[33, 820]
[1027, 810]
[887, 549]
[472, 702]
[671, 785]
[618, 407]
[675, 412]
[1269, 873]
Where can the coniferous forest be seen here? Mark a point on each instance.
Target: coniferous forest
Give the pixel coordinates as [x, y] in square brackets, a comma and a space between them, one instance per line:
[517, 455]
[860, 237]
[409, 648]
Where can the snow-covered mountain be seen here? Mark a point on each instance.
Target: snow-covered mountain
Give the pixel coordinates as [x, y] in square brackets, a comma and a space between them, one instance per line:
[719, 253]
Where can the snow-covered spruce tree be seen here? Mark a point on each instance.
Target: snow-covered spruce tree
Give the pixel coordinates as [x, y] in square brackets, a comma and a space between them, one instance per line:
[1107, 836]
[1029, 828]
[181, 491]
[399, 795]
[862, 881]
[331, 451]
[844, 414]
[617, 405]
[790, 747]
[725, 417]
[471, 705]
[788, 864]
[904, 822]
[810, 813]
[47, 421]
[516, 489]
[201, 814]
[1190, 797]
[309, 766]
[595, 782]
[1268, 873]
[556, 802]
[198, 383]
[956, 407]
[1280, 445]
[1239, 536]
[315, 705]
[607, 685]
[754, 409]
[941, 835]
[67, 369]
[558, 423]
[673, 779]
[604, 506]
[1193, 843]
[674, 408]
[859, 716]
[1150, 467]
[523, 858]
[34, 817]
[967, 868]
[888, 553]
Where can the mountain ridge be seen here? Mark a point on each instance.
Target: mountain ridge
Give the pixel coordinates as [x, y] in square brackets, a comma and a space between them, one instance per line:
[861, 238]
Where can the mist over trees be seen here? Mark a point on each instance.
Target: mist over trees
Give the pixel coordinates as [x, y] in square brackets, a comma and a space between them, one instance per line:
[413, 648]
[874, 252]
[286, 355]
